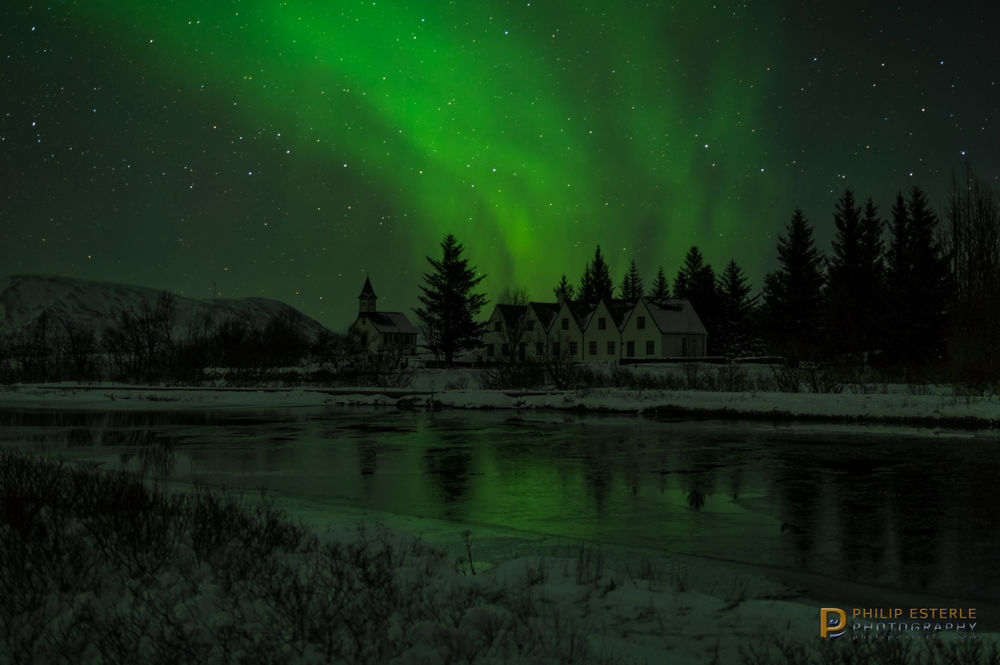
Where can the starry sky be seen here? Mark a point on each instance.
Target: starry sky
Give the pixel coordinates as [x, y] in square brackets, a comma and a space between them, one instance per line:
[287, 149]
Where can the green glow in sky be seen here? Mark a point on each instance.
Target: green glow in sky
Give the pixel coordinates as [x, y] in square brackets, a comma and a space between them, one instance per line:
[287, 148]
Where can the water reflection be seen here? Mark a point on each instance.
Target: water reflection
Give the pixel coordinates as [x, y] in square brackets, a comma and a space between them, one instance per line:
[904, 510]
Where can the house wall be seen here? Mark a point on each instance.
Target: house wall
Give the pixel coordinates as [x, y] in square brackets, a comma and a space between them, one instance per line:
[687, 345]
[596, 339]
[566, 336]
[491, 348]
[642, 338]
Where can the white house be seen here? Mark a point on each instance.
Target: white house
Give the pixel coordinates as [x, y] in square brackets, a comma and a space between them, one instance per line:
[663, 329]
[610, 331]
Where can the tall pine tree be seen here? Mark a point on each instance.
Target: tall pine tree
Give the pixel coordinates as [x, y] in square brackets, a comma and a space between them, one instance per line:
[854, 293]
[736, 313]
[793, 294]
[596, 283]
[661, 288]
[919, 284]
[631, 288]
[564, 291]
[695, 281]
[448, 316]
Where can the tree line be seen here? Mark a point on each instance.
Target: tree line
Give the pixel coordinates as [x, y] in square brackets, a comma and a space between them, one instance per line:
[909, 293]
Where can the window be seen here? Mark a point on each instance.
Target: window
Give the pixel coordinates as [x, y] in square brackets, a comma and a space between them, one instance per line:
[540, 348]
[640, 323]
[630, 349]
[593, 348]
[684, 346]
[498, 326]
[555, 349]
[602, 324]
[650, 348]
[611, 348]
[565, 324]
[489, 350]
[505, 349]
[573, 348]
[530, 325]
[520, 350]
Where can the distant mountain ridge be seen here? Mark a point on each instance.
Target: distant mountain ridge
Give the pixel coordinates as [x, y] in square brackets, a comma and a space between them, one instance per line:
[23, 298]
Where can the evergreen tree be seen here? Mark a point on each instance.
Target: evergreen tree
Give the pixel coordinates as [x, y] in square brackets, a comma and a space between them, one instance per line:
[631, 288]
[736, 312]
[661, 288]
[792, 294]
[695, 281]
[564, 291]
[448, 316]
[855, 279]
[919, 283]
[596, 282]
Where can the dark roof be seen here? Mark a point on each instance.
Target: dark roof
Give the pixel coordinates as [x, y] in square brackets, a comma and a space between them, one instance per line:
[581, 311]
[619, 309]
[511, 314]
[675, 315]
[390, 322]
[367, 291]
[545, 312]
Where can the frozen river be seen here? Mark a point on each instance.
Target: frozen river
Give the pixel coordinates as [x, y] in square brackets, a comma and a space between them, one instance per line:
[899, 509]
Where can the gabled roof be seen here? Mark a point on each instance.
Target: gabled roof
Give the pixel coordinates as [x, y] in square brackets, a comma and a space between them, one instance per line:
[390, 322]
[511, 314]
[675, 315]
[545, 312]
[367, 291]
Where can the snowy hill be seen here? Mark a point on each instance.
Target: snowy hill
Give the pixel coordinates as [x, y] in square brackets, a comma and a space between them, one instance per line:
[23, 298]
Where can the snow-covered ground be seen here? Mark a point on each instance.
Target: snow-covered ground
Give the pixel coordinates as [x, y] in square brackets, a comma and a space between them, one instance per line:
[897, 405]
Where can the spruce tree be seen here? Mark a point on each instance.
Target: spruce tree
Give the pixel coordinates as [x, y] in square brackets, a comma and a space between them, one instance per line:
[919, 283]
[793, 293]
[631, 288]
[854, 294]
[564, 291]
[661, 288]
[736, 311]
[448, 316]
[596, 283]
[695, 281]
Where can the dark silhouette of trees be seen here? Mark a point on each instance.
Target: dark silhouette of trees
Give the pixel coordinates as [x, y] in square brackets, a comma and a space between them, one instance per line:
[974, 244]
[564, 291]
[793, 293]
[695, 281]
[596, 285]
[736, 314]
[918, 284]
[855, 280]
[661, 288]
[631, 288]
[448, 316]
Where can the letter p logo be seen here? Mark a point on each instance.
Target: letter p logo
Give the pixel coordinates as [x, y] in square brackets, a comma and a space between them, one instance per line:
[832, 623]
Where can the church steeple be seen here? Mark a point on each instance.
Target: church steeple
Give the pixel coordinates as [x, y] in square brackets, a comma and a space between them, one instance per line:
[366, 301]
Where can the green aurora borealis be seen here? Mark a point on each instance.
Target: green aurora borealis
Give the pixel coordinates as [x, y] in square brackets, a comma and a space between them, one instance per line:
[285, 149]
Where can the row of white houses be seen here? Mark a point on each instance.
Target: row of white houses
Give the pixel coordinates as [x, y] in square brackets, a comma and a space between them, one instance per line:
[611, 330]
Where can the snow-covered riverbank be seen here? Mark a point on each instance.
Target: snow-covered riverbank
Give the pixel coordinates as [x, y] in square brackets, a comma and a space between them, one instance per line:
[935, 409]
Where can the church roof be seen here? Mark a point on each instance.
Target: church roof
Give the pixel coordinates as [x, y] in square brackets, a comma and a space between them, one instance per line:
[367, 291]
[391, 322]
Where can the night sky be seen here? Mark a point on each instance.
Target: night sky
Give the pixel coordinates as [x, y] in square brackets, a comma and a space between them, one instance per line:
[284, 149]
